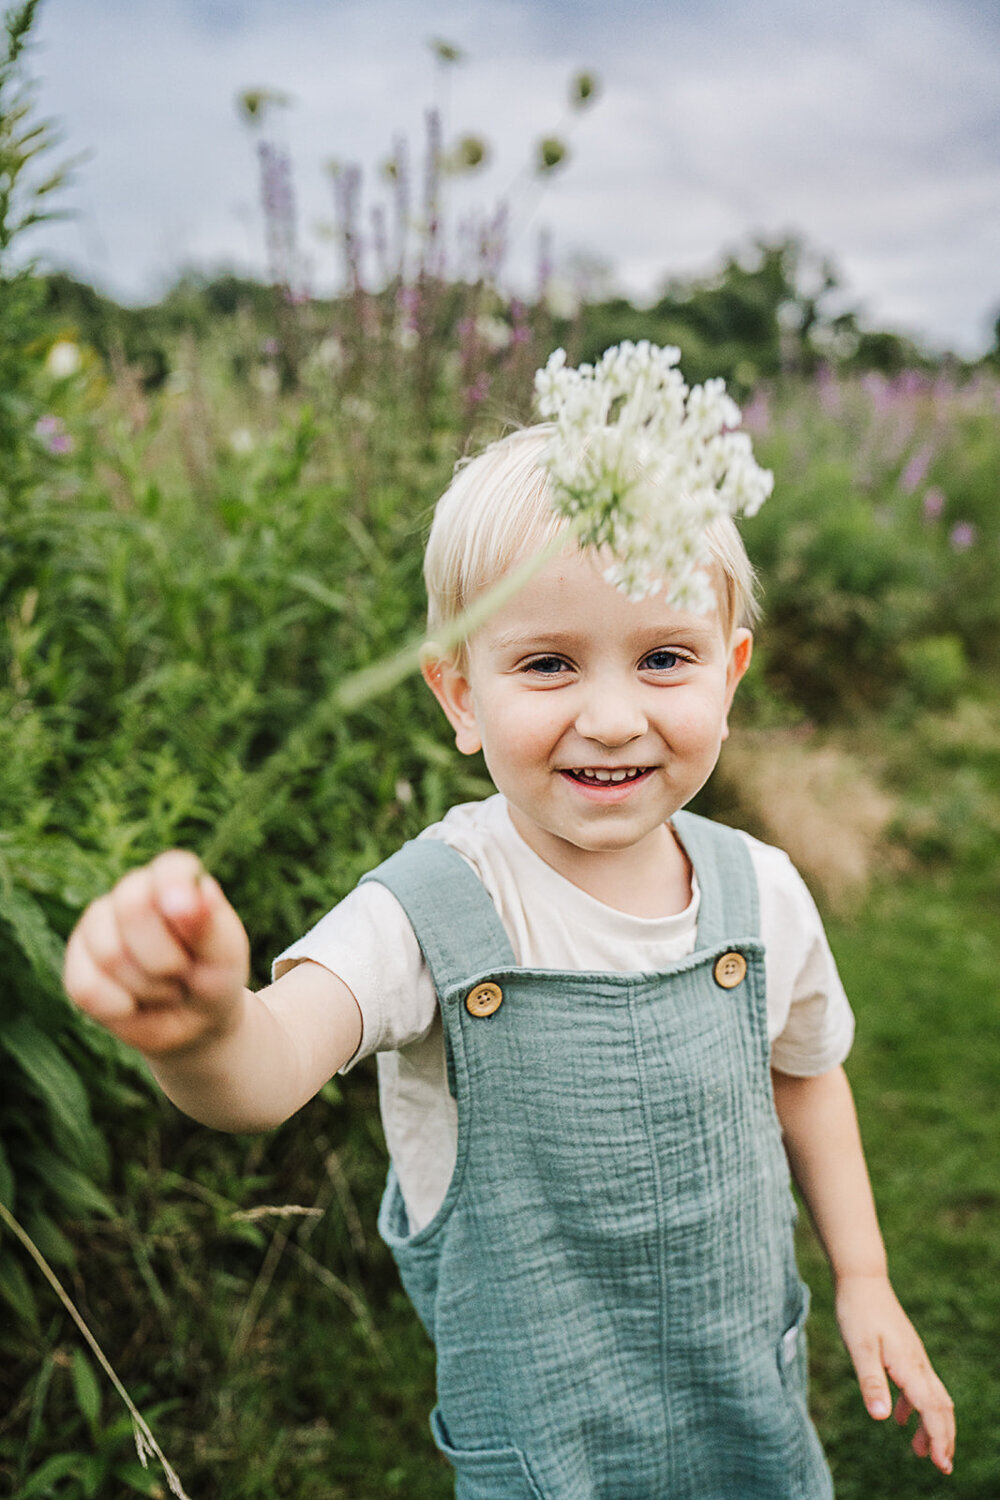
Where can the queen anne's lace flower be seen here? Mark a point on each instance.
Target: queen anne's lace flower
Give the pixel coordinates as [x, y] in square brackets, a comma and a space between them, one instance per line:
[642, 463]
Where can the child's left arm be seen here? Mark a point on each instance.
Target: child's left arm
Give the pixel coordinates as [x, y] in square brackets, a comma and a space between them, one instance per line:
[827, 1160]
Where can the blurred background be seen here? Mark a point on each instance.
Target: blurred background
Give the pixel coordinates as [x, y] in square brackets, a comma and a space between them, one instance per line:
[266, 272]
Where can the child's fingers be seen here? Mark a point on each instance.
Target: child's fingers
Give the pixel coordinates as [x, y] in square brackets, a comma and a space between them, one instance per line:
[161, 960]
[93, 990]
[903, 1409]
[902, 1412]
[177, 890]
[146, 941]
[867, 1358]
[103, 933]
[197, 912]
[922, 1391]
[921, 1444]
[227, 955]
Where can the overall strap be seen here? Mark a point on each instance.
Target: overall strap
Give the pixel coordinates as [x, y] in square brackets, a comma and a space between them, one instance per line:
[455, 922]
[730, 906]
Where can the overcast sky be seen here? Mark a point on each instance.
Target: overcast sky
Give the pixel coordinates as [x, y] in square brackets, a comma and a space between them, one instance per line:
[870, 129]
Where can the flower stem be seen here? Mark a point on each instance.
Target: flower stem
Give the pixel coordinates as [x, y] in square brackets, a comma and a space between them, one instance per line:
[145, 1442]
[242, 827]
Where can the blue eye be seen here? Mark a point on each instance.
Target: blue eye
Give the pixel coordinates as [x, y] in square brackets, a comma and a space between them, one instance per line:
[547, 666]
[661, 661]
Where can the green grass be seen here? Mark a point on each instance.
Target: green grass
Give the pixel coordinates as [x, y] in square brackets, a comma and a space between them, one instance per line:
[921, 962]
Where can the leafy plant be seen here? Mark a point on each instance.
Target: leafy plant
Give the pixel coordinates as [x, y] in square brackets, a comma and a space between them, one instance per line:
[53, 1155]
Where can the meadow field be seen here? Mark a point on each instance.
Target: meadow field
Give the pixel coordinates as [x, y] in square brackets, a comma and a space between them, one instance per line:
[213, 520]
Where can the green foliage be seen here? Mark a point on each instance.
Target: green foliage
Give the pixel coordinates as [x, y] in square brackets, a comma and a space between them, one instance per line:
[767, 311]
[54, 1159]
[880, 547]
[26, 191]
[91, 1454]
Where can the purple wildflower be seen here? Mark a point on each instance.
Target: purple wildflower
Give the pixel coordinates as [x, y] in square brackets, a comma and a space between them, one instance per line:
[757, 413]
[277, 196]
[521, 332]
[934, 503]
[911, 383]
[962, 536]
[916, 469]
[408, 300]
[347, 200]
[876, 387]
[477, 392]
[545, 265]
[828, 388]
[52, 432]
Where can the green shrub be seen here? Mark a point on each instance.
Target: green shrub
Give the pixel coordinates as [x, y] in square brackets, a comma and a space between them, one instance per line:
[880, 541]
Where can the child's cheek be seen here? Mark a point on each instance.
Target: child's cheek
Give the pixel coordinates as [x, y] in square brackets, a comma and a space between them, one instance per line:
[697, 726]
[514, 738]
[692, 719]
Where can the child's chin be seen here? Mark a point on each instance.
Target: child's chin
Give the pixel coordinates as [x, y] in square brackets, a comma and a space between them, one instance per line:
[609, 840]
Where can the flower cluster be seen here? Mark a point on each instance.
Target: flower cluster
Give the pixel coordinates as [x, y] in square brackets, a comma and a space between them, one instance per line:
[51, 433]
[642, 464]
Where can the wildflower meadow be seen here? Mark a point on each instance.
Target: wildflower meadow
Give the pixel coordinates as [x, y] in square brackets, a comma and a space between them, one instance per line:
[211, 523]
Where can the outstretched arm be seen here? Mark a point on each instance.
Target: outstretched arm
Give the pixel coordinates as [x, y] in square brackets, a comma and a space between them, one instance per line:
[162, 962]
[827, 1161]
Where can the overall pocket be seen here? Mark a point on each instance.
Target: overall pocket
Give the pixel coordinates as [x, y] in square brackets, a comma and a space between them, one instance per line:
[792, 1359]
[485, 1473]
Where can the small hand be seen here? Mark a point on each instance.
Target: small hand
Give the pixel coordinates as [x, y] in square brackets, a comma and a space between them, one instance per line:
[882, 1342]
[161, 960]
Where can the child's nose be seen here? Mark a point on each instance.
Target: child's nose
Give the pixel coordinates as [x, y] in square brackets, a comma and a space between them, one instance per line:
[611, 716]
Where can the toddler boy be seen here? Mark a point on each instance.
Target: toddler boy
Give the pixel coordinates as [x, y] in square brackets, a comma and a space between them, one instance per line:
[601, 1023]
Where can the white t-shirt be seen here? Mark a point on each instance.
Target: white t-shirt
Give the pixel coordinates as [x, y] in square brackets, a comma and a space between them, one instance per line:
[368, 942]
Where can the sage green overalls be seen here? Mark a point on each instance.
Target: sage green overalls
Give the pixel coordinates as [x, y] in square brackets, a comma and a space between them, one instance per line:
[610, 1282]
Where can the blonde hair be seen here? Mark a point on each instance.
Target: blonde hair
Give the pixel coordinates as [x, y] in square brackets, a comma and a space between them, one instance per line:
[498, 510]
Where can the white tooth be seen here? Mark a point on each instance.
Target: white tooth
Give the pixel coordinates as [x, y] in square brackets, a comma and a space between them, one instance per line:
[602, 775]
[620, 775]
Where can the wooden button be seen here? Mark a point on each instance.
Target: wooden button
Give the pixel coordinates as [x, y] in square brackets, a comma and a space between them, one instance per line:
[730, 970]
[484, 999]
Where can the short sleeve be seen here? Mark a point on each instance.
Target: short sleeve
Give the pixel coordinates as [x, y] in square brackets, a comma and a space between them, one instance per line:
[367, 941]
[810, 1020]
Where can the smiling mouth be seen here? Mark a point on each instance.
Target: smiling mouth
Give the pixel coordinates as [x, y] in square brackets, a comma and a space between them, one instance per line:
[607, 776]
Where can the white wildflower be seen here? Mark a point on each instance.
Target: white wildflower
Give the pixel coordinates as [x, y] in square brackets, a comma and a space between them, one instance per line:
[241, 440]
[63, 359]
[267, 380]
[494, 332]
[359, 411]
[642, 464]
[562, 299]
[329, 355]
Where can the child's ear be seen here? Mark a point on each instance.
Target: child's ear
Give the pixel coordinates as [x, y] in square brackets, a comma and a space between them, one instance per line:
[740, 653]
[450, 687]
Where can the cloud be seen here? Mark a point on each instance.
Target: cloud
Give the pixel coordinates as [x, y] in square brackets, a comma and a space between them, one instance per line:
[870, 130]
